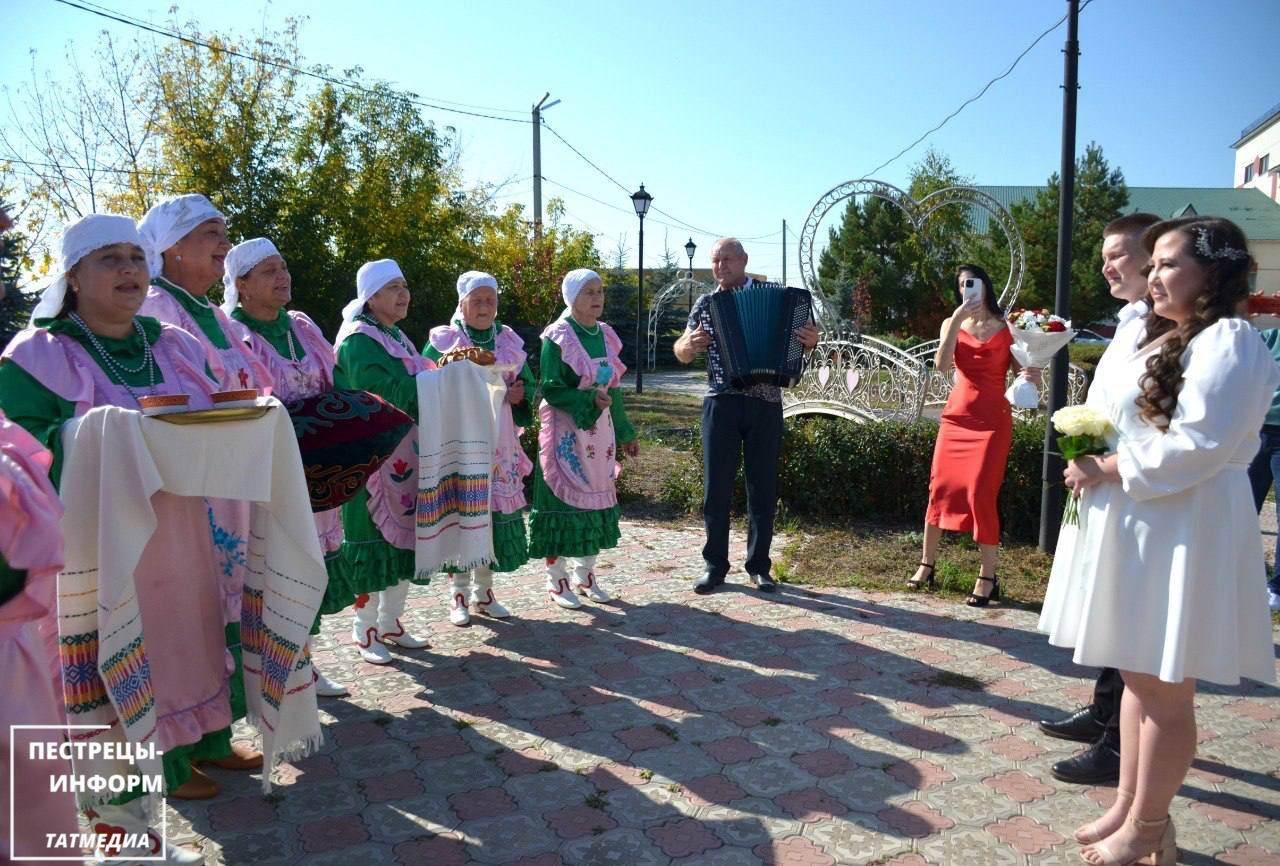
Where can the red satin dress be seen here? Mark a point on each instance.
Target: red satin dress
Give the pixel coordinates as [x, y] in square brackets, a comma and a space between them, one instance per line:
[973, 440]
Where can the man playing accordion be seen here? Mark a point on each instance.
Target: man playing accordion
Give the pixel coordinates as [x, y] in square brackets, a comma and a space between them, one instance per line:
[734, 417]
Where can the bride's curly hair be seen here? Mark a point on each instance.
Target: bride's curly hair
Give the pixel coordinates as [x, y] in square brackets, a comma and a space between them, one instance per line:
[1220, 247]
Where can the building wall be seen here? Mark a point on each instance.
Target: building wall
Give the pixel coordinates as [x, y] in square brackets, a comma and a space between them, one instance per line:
[1267, 255]
[1259, 157]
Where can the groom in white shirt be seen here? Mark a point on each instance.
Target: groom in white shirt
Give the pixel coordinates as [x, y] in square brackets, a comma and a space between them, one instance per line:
[1124, 266]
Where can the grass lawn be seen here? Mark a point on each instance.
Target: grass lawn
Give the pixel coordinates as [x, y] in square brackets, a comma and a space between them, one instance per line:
[665, 421]
[875, 557]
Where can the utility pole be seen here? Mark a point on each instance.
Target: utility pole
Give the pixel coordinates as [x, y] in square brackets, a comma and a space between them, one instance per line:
[537, 161]
[1053, 493]
[784, 252]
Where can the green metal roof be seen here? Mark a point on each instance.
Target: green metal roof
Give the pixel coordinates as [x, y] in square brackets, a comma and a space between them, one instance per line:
[1250, 209]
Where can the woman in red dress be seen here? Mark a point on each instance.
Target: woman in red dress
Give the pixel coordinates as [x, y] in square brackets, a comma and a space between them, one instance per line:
[975, 431]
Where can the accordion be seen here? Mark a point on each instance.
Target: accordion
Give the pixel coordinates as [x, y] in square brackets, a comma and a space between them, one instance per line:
[754, 329]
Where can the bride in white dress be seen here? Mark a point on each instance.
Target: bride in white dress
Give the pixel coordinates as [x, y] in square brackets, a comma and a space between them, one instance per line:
[1164, 578]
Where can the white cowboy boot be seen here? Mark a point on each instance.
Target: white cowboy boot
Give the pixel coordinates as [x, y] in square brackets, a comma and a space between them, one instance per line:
[128, 824]
[389, 609]
[585, 581]
[558, 583]
[364, 630]
[325, 687]
[482, 594]
[459, 587]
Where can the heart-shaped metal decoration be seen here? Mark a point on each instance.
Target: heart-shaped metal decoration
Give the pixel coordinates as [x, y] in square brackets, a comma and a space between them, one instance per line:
[918, 213]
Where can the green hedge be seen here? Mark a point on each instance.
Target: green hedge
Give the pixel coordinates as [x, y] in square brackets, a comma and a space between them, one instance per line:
[1085, 356]
[875, 471]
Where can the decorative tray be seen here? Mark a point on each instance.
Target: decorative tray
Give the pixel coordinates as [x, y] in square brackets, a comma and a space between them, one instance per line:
[213, 416]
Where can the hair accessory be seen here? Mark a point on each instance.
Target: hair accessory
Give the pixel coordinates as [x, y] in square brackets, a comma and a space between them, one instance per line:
[1206, 251]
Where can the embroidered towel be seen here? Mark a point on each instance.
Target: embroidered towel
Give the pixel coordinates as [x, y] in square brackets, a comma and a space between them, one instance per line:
[458, 407]
[116, 461]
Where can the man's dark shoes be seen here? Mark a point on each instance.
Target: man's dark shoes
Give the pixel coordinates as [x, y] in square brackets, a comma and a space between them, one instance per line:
[1097, 765]
[1080, 726]
[708, 582]
[763, 582]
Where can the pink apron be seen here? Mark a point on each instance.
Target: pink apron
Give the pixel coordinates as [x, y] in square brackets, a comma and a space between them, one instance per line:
[235, 367]
[579, 466]
[393, 489]
[182, 607]
[510, 464]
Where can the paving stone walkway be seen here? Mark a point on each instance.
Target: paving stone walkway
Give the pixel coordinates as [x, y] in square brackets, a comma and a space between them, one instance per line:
[809, 727]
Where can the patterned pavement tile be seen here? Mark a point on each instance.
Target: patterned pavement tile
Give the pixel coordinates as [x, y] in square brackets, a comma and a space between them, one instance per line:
[463, 773]
[1249, 855]
[733, 750]
[858, 838]
[866, 789]
[824, 763]
[769, 777]
[722, 856]
[793, 851]
[1019, 786]
[574, 821]
[683, 837]
[614, 848]
[328, 834]
[502, 840]
[964, 845]
[541, 791]
[271, 844]
[812, 726]
[1025, 835]
[436, 850]
[485, 803]
[811, 805]
[786, 739]
[915, 819]
[749, 822]
[411, 818]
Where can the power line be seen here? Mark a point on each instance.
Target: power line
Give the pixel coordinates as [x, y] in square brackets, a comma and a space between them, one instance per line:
[977, 96]
[122, 18]
[276, 64]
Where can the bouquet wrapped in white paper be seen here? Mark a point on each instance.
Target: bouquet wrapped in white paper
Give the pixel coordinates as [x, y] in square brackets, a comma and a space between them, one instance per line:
[1037, 337]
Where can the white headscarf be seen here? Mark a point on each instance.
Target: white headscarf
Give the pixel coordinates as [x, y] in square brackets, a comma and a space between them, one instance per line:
[242, 258]
[573, 284]
[468, 283]
[93, 232]
[371, 277]
[170, 221]
[472, 280]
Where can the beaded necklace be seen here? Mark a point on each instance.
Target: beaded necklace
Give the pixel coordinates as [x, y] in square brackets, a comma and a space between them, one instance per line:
[201, 301]
[394, 333]
[148, 359]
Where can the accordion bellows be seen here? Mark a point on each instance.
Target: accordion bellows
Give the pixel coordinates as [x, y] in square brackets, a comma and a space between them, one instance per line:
[755, 328]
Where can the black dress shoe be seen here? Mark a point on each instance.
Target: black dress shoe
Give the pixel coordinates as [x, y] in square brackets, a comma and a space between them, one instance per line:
[707, 583]
[1097, 765]
[763, 582]
[1081, 726]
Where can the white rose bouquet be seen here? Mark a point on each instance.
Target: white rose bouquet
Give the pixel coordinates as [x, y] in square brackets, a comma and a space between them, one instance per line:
[1081, 431]
[1037, 337]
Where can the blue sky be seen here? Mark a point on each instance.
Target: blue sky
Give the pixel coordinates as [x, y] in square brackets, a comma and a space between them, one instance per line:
[736, 115]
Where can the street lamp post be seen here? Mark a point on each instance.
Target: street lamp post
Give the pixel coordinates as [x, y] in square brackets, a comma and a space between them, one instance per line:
[689, 248]
[640, 199]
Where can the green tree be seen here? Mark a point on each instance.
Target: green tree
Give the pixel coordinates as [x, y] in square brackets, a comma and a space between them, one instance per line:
[896, 277]
[528, 268]
[1100, 196]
